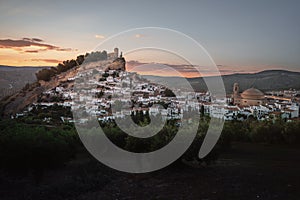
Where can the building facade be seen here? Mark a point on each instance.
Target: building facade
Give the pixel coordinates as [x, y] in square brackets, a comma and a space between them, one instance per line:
[249, 97]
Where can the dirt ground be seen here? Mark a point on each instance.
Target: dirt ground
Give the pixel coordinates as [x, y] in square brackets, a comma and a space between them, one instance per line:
[247, 171]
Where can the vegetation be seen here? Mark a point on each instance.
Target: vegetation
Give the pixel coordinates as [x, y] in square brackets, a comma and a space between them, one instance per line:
[46, 74]
[25, 148]
[30, 144]
[41, 115]
[96, 56]
[169, 93]
[270, 132]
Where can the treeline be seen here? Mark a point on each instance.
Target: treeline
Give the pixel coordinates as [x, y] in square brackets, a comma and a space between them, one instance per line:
[39, 115]
[96, 56]
[46, 74]
[271, 132]
[35, 147]
[250, 131]
[162, 138]
[32, 148]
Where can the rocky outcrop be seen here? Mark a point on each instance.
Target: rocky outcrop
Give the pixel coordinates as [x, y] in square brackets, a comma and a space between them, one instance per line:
[18, 102]
[118, 64]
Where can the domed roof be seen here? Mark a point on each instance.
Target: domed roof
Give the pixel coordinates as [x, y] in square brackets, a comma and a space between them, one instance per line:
[253, 93]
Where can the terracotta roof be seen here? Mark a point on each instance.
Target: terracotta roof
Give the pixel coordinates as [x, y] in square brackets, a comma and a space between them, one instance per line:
[276, 112]
[232, 109]
[253, 93]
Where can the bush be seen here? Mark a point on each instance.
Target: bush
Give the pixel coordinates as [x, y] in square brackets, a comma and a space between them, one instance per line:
[24, 148]
[291, 133]
[45, 74]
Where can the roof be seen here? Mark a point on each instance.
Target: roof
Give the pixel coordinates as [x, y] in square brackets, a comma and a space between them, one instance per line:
[232, 108]
[288, 110]
[276, 112]
[253, 93]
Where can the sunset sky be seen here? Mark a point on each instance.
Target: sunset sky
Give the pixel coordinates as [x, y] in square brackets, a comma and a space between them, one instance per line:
[241, 36]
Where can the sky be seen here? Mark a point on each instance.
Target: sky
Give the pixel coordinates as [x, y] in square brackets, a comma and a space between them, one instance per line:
[240, 36]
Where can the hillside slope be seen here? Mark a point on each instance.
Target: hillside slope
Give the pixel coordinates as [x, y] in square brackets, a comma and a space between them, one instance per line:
[28, 95]
[13, 79]
[19, 100]
[265, 80]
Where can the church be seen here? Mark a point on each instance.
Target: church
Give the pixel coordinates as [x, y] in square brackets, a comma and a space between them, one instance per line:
[250, 97]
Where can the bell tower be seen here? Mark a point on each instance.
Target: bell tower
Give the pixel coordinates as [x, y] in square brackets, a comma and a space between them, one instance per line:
[116, 52]
[236, 89]
[236, 94]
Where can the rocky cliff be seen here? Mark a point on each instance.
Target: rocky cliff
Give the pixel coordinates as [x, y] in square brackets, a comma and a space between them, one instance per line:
[118, 64]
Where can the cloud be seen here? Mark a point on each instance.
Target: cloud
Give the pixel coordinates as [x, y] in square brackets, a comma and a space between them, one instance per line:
[188, 70]
[66, 49]
[181, 68]
[46, 60]
[33, 39]
[98, 36]
[35, 43]
[134, 63]
[139, 35]
[37, 40]
[31, 51]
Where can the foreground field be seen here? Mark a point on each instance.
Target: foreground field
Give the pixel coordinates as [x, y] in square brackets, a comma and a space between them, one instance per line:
[247, 171]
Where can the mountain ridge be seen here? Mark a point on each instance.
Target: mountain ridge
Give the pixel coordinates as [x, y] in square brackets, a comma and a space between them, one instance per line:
[265, 80]
[8, 67]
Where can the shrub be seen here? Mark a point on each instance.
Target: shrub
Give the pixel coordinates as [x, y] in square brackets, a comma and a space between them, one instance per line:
[45, 74]
[25, 148]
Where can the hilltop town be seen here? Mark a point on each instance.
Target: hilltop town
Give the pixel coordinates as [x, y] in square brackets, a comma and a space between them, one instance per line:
[112, 86]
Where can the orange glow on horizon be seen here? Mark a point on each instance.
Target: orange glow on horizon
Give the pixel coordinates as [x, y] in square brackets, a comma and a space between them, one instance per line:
[11, 57]
[182, 74]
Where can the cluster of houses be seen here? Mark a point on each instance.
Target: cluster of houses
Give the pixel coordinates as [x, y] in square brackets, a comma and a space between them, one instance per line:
[117, 94]
[284, 110]
[109, 94]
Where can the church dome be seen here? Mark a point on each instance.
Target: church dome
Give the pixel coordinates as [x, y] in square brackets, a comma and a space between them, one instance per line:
[252, 93]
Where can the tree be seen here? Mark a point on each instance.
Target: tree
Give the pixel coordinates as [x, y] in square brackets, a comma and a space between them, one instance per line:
[96, 56]
[202, 110]
[25, 148]
[117, 105]
[169, 93]
[45, 74]
[80, 59]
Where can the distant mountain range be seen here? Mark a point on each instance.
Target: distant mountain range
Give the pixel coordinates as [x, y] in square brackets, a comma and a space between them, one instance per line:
[12, 68]
[13, 79]
[265, 80]
[17, 77]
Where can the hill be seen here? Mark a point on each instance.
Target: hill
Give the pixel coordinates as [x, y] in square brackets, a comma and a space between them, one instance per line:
[265, 80]
[12, 79]
[49, 79]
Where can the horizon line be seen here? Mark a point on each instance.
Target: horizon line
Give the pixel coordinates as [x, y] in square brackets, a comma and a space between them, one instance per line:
[234, 73]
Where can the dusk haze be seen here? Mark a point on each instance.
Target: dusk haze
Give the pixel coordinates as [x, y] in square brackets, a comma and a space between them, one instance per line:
[138, 100]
